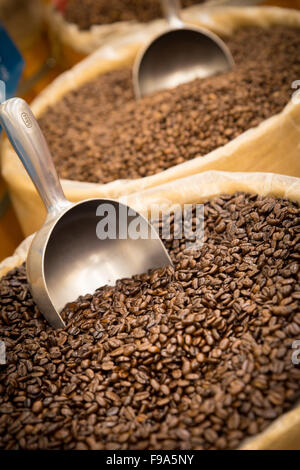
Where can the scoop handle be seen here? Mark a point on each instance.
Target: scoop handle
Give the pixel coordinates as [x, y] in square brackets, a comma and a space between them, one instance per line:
[171, 9]
[28, 141]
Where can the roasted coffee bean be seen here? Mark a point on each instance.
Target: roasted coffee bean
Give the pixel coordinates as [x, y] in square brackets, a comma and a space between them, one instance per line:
[86, 13]
[100, 133]
[195, 365]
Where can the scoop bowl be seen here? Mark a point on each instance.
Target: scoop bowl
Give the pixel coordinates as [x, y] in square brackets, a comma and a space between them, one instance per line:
[81, 246]
[178, 55]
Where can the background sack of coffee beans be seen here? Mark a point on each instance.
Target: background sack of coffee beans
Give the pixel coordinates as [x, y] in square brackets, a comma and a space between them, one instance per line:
[44, 423]
[80, 28]
[272, 146]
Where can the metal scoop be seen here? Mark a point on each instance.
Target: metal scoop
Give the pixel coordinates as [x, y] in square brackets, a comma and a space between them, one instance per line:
[66, 258]
[179, 55]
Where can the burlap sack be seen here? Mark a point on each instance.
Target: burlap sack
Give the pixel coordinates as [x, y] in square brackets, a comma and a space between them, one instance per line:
[273, 146]
[284, 433]
[70, 44]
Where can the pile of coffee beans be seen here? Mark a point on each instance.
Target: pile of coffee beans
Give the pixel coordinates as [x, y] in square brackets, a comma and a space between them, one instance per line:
[87, 13]
[193, 358]
[99, 133]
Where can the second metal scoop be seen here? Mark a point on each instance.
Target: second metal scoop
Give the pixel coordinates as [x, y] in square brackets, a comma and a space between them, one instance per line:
[179, 55]
[68, 257]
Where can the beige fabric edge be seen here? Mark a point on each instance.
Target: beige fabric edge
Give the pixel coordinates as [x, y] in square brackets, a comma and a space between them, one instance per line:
[204, 186]
[283, 433]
